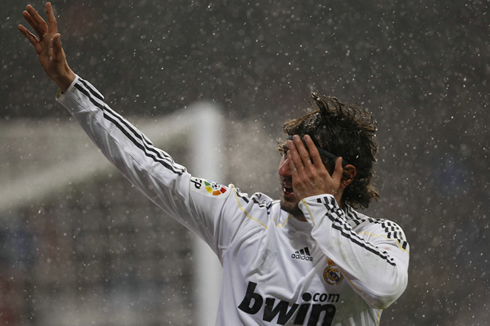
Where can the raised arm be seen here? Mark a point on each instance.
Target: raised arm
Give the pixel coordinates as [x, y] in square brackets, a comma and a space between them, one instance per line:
[48, 46]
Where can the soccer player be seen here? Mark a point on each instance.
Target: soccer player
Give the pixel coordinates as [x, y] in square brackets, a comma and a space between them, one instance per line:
[309, 258]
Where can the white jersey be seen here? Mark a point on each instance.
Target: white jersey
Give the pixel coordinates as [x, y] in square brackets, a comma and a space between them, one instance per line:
[338, 268]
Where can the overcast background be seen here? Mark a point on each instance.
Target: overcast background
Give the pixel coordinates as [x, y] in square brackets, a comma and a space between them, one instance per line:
[422, 68]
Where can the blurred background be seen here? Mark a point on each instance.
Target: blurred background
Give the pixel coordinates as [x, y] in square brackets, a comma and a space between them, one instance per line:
[80, 246]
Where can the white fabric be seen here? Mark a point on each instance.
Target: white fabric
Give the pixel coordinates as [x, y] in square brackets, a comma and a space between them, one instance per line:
[338, 268]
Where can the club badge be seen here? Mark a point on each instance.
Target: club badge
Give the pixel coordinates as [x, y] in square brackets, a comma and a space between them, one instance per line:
[332, 274]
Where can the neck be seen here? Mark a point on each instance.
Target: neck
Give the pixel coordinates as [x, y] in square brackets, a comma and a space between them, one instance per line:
[338, 198]
[301, 217]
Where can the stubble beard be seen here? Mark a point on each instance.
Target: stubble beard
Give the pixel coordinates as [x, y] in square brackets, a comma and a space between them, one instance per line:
[292, 208]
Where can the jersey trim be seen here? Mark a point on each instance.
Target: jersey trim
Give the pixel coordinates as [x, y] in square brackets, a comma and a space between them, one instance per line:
[283, 223]
[309, 212]
[393, 231]
[244, 211]
[379, 317]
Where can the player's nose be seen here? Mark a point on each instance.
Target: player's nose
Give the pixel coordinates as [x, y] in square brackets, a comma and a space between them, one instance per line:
[284, 170]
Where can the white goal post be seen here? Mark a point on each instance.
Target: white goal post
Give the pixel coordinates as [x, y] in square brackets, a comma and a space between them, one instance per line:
[200, 126]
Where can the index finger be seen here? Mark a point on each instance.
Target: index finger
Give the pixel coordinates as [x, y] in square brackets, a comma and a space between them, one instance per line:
[301, 149]
[294, 158]
[28, 35]
[52, 24]
[314, 154]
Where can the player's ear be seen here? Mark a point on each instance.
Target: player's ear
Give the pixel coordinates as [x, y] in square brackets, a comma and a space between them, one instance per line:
[348, 175]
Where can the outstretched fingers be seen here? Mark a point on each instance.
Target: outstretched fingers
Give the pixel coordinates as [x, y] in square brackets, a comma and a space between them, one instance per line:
[36, 21]
[313, 151]
[28, 35]
[290, 160]
[52, 23]
[294, 157]
[303, 152]
[310, 176]
[307, 178]
[48, 46]
[300, 162]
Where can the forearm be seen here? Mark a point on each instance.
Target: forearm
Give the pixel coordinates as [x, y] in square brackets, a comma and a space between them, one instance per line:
[374, 264]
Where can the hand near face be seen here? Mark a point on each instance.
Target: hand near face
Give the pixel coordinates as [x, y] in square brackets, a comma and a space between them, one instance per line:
[48, 47]
[309, 174]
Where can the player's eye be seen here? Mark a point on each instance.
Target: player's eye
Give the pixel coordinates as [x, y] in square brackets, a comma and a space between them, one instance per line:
[283, 150]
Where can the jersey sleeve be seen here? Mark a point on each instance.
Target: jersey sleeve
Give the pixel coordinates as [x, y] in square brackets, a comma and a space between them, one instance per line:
[196, 203]
[373, 258]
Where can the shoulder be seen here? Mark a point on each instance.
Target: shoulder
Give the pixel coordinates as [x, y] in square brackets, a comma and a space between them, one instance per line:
[259, 208]
[257, 202]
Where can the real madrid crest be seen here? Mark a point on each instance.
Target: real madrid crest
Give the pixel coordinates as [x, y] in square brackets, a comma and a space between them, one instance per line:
[332, 274]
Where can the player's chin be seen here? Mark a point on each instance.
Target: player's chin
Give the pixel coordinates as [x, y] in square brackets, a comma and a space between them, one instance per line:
[289, 204]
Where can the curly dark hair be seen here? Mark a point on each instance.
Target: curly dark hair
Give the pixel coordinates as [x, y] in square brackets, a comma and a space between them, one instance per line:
[344, 130]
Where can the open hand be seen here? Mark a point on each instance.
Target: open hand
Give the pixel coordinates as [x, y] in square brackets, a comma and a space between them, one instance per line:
[48, 46]
[309, 174]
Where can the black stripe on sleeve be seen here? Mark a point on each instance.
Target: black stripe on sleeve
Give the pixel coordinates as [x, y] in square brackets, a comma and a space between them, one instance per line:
[360, 242]
[119, 122]
[91, 89]
[392, 229]
[346, 231]
[145, 141]
[242, 196]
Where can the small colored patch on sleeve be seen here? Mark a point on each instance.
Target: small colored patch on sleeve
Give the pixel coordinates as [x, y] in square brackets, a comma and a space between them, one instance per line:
[209, 188]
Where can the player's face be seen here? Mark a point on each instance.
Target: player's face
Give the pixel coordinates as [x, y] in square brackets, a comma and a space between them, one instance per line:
[289, 202]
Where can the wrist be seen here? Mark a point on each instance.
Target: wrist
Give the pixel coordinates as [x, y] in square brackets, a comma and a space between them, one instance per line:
[64, 81]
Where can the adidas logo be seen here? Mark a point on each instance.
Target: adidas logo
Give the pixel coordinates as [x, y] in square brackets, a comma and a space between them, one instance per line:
[302, 254]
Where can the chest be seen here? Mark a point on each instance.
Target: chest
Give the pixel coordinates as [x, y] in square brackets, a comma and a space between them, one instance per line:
[287, 265]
